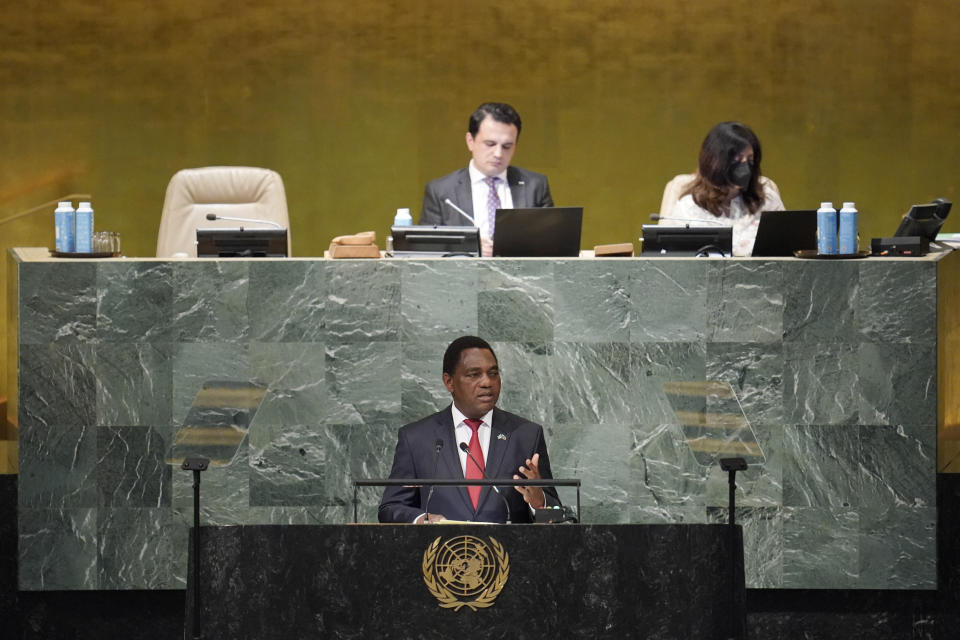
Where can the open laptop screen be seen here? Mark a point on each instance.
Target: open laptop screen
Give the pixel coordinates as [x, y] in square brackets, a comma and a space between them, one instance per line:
[543, 232]
[780, 233]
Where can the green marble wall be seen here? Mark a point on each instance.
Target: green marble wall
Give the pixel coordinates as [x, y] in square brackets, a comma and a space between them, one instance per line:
[834, 365]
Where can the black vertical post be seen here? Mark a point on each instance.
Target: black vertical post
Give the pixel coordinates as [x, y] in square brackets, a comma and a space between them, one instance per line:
[196, 465]
[731, 466]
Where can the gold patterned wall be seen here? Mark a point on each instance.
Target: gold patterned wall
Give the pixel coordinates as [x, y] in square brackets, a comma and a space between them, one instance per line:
[357, 104]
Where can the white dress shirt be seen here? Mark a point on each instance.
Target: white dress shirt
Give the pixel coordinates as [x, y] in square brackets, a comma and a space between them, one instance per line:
[481, 191]
[743, 222]
[464, 433]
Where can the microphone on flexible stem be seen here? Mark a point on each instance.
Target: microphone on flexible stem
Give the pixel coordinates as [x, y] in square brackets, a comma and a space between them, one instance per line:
[436, 463]
[656, 216]
[506, 505]
[461, 211]
[213, 216]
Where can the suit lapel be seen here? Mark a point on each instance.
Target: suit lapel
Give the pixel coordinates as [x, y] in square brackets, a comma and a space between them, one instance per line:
[518, 189]
[499, 441]
[464, 195]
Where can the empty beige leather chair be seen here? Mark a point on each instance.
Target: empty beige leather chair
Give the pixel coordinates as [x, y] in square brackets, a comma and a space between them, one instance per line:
[676, 186]
[241, 192]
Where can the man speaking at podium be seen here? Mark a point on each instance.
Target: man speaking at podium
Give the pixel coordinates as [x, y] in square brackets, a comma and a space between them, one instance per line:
[489, 182]
[470, 438]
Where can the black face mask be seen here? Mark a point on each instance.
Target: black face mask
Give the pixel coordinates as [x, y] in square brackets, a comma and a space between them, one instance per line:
[740, 174]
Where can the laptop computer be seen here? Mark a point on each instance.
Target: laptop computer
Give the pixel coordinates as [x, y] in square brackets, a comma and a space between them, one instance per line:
[780, 233]
[543, 232]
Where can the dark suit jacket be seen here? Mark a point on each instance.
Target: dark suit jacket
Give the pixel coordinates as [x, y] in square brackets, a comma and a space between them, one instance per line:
[512, 440]
[527, 188]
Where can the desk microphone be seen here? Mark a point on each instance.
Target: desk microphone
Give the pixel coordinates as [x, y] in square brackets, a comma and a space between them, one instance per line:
[436, 463]
[461, 212]
[506, 505]
[213, 216]
[656, 216]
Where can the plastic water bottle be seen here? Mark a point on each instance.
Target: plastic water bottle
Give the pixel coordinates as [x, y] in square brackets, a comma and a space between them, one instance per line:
[847, 236]
[826, 229]
[84, 228]
[63, 221]
[403, 218]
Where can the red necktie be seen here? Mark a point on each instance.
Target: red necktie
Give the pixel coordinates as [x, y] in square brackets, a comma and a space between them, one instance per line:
[473, 471]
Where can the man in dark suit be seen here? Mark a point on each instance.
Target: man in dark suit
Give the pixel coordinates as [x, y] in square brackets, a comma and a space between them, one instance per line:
[488, 182]
[501, 444]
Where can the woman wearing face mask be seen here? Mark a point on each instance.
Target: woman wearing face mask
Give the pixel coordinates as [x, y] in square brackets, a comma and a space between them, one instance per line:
[728, 187]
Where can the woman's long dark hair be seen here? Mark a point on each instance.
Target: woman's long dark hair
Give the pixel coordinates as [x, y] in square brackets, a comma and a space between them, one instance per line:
[718, 153]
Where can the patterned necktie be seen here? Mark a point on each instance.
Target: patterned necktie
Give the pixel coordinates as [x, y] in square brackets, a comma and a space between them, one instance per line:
[493, 203]
[473, 471]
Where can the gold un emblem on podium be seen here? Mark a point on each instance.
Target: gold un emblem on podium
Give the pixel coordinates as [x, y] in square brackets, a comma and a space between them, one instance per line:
[465, 571]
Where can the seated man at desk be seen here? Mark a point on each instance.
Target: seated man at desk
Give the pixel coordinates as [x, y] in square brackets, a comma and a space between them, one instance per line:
[500, 444]
[489, 182]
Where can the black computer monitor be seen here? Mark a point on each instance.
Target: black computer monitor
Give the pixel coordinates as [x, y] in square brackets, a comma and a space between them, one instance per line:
[924, 220]
[414, 241]
[538, 232]
[674, 242]
[241, 243]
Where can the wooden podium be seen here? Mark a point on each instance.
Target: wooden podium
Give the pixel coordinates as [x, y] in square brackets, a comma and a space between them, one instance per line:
[469, 581]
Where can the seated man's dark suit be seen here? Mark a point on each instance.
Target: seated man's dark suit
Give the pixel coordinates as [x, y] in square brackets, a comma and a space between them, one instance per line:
[528, 189]
[512, 441]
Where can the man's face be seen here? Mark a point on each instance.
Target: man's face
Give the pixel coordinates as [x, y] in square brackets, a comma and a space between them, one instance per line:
[475, 383]
[493, 146]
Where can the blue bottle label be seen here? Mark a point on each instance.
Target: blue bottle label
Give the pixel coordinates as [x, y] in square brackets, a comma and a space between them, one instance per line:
[64, 232]
[84, 232]
[847, 237]
[827, 232]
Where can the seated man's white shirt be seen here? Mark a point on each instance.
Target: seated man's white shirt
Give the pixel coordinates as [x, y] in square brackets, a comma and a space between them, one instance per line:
[481, 192]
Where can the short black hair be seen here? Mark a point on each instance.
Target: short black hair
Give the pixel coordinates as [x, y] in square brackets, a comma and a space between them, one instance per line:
[452, 355]
[499, 111]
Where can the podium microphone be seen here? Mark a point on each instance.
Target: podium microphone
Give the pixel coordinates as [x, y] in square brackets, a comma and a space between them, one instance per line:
[656, 217]
[436, 463]
[506, 505]
[213, 216]
[463, 213]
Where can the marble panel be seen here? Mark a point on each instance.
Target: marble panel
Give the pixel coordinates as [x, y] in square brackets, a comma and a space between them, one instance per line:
[665, 468]
[210, 301]
[363, 301]
[899, 385]
[528, 379]
[135, 548]
[298, 465]
[57, 466]
[745, 301]
[591, 301]
[821, 383]
[599, 455]
[132, 469]
[58, 303]
[421, 384]
[898, 468]
[755, 372]
[134, 301]
[654, 364]
[224, 490]
[668, 301]
[364, 378]
[197, 363]
[57, 384]
[819, 302]
[822, 466]
[58, 549]
[661, 514]
[286, 301]
[821, 547]
[592, 383]
[898, 547]
[515, 301]
[134, 383]
[294, 375]
[371, 448]
[438, 300]
[897, 302]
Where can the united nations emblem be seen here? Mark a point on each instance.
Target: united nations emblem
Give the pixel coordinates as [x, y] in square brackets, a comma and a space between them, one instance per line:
[465, 571]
